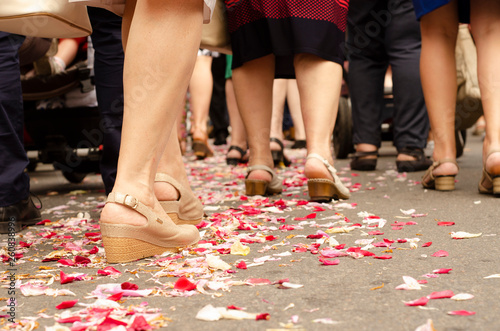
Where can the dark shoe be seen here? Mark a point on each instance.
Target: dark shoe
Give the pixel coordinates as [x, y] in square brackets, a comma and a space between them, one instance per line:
[422, 162]
[14, 217]
[234, 160]
[360, 162]
[298, 144]
[278, 156]
[220, 138]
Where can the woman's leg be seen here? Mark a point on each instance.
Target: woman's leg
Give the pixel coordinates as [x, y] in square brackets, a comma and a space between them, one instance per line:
[238, 133]
[253, 85]
[157, 69]
[200, 87]
[293, 100]
[485, 24]
[279, 96]
[439, 80]
[319, 83]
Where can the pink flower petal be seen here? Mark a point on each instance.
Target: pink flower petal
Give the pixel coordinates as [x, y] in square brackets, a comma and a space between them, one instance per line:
[445, 223]
[462, 312]
[258, 281]
[329, 262]
[383, 257]
[419, 302]
[440, 253]
[66, 304]
[115, 297]
[441, 271]
[427, 244]
[65, 278]
[139, 324]
[71, 319]
[441, 295]
[108, 271]
[375, 233]
[241, 265]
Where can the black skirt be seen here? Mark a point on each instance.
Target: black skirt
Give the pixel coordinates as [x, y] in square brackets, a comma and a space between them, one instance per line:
[285, 28]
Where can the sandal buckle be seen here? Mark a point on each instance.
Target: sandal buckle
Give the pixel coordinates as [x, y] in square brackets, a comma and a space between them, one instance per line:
[134, 201]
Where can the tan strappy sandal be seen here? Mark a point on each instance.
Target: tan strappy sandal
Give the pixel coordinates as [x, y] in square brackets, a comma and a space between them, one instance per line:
[439, 183]
[492, 180]
[263, 187]
[323, 189]
[125, 243]
[187, 209]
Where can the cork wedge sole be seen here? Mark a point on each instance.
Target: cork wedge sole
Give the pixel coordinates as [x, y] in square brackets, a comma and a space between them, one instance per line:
[324, 189]
[120, 250]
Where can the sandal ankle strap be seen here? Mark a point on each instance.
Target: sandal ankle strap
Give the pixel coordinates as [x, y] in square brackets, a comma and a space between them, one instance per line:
[133, 203]
[330, 168]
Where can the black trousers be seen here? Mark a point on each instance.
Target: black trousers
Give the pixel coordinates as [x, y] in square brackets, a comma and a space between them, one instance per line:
[382, 33]
[218, 109]
[108, 71]
[14, 182]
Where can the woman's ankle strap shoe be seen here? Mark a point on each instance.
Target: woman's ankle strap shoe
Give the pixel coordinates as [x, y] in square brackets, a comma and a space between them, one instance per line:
[188, 209]
[263, 187]
[490, 181]
[439, 183]
[324, 189]
[125, 243]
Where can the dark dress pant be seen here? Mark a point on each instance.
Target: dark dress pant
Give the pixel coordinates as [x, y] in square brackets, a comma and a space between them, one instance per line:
[382, 33]
[14, 182]
[108, 71]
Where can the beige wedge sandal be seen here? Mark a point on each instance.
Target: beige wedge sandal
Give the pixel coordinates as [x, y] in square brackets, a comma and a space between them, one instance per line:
[263, 187]
[490, 182]
[125, 243]
[187, 209]
[323, 189]
[439, 183]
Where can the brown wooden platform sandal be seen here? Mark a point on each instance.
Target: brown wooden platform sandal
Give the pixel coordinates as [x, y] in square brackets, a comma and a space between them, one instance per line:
[439, 183]
[188, 209]
[323, 189]
[201, 149]
[490, 182]
[125, 243]
[263, 187]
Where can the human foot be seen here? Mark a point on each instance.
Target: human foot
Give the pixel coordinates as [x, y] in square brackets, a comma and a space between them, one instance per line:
[441, 175]
[262, 180]
[490, 180]
[323, 182]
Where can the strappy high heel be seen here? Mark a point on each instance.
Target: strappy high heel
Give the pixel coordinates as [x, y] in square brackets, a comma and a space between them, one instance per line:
[492, 180]
[263, 187]
[323, 189]
[187, 209]
[439, 183]
[125, 243]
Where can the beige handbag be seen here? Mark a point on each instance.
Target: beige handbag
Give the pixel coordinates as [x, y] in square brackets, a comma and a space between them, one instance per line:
[469, 106]
[44, 18]
[215, 35]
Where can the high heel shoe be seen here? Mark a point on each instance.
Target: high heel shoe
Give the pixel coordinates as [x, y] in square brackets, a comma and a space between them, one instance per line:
[125, 243]
[187, 209]
[263, 187]
[492, 180]
[323, 189]
[439, 183]
[279, 157]
[201, 149]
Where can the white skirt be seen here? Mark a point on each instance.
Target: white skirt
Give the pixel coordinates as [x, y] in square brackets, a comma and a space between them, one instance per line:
[118, 6]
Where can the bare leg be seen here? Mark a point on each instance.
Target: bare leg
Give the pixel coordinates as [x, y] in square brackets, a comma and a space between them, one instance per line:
[201, 86]
[279, 96]
[319, 83]
[157, 69]
[439, 80]
[253, 85]
[293, 99]
[238, 133]
[485, 25]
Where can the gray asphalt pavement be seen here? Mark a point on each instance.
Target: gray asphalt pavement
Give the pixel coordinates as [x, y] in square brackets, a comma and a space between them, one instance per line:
[285, 277]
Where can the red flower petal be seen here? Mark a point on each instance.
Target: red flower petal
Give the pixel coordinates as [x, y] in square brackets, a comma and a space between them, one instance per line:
[329, 262]
[441, 295]
[82, 260]
[315, 236]
[462, 312]
[419, 302]
[129, 286]
[383, 257]
[65, 278]
[440, 253]
[241, 265]
[67, 262]
[66, 304]
[108, 271]
[139, 324]
[264, 316]
[94, 250]
[234, 307]
[115, 297]
[427, 244]
[441, 271]
[341, 246]
[109, 323]
[258, 281]
[92, 234]
[183, 284]
[271, 238]
[445, 223]
[23, 244]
